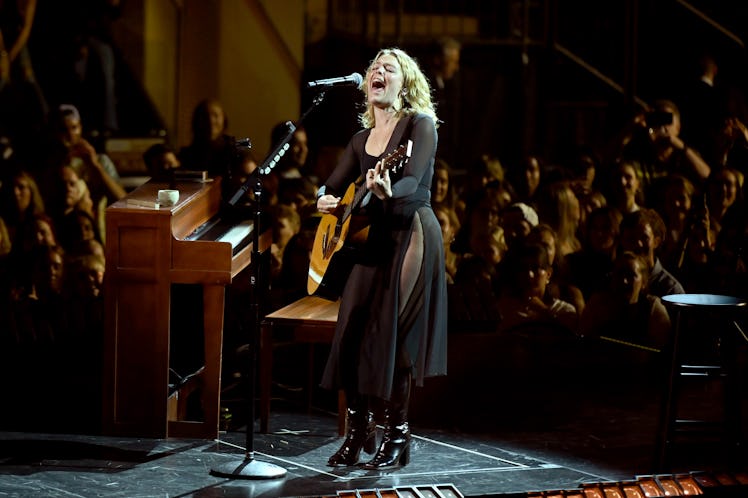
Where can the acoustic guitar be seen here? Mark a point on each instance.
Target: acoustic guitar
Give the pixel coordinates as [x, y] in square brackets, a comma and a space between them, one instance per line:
[330, 263]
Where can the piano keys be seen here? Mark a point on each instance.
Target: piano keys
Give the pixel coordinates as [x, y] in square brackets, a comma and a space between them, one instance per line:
[149, 250]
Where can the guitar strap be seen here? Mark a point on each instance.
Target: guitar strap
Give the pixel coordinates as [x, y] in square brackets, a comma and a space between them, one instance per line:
[401, 133]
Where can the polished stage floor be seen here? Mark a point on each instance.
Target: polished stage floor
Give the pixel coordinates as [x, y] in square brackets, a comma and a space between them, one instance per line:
[561, 444]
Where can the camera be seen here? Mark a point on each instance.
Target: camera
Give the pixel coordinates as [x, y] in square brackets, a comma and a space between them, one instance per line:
[656, 119]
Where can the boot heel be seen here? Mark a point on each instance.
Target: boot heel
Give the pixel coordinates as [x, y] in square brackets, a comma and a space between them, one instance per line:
[405, 456]
[370, 445]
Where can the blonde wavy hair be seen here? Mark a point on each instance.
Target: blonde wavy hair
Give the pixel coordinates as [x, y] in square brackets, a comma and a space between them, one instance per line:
[416, 96]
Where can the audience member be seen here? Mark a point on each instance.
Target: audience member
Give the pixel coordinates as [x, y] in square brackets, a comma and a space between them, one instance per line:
[286, 224]
[588, 202]
[72, 44]
[703, 106]
[525, 179]
[22, 103]
[558, 206]
[160, 161]
[22, 205]
[442, 68]
[450, 224]
[482, 211]
[626, 193]
[524, 301]
[722, 193]
[443, 189]
[582, 170]
[559, 285]
[625, 311]
[674, 206]
[211, 148]
[293, 164]
[661, 151]
[589, 269]
[642, 233]
[518, 220]
[72, 149]
[471, 296]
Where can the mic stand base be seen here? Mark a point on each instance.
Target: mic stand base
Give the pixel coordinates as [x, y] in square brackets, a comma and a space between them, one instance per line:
[249, 468]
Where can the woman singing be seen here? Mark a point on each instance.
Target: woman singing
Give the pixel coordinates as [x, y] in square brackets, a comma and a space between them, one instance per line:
[392, 324]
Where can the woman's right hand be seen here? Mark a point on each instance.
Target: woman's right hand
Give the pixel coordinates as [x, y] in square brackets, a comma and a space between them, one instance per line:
[327, 203]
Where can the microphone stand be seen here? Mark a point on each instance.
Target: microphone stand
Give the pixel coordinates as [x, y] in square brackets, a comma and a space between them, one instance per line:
[249, 467]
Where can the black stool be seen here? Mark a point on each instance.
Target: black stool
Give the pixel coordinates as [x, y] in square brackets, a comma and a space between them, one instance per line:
[717, 330]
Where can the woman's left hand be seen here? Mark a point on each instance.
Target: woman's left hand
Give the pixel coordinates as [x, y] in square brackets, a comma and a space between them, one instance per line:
[378, 182]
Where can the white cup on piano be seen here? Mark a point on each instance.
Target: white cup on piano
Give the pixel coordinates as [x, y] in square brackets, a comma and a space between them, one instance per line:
[168, 198]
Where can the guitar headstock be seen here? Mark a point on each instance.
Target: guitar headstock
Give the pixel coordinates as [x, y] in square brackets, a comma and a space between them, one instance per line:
[398, 158]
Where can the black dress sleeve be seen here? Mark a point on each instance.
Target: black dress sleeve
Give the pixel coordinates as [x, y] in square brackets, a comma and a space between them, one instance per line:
[348, 168]
[423, 134]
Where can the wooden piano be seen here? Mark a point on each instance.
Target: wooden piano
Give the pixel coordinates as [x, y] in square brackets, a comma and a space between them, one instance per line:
[147, 250]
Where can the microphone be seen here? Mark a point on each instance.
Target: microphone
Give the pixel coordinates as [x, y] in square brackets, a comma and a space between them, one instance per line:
[354, 79]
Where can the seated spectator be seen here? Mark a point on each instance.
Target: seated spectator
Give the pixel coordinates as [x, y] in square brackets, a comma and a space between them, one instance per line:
[582, 170]
[5, 249]
[626, 193]
[161, 160]
[300, 194]
[524, 301]
[625, 311]
[675, 208]
[723, 191]
[588, 202]
[211, 148]
[559, 285]
[525, 179]
[76, 229]
[85, 277]
[642, 233]
[21, 205]
[293, 163]
[589, 269]
[294, 273]
[518, 220]
[482, 213]
[70, 193]
[450, 226]
[558, 206]
[472, 297]
[286, 224]
[96, 168]
[443, 191]
[5, 244]
[45, 231]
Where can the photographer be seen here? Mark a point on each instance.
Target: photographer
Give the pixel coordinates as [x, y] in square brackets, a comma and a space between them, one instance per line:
[659, 151]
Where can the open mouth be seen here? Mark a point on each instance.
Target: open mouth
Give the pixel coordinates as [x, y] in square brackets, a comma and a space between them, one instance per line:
[377, 84]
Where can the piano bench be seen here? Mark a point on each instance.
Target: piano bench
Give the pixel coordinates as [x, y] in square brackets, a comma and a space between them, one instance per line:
[310, 320]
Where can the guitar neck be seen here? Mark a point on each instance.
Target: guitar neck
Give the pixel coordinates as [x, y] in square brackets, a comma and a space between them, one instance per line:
[357, 198]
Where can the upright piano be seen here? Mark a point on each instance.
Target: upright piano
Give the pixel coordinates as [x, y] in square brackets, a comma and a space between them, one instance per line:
[148, 249]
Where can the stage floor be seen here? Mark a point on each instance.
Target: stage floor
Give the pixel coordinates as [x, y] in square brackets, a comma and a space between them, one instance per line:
[549, 426]
[601, 443]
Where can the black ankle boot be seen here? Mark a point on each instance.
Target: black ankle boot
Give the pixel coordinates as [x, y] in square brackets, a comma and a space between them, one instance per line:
[395, 447]
[360, 434]
[394, 450]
